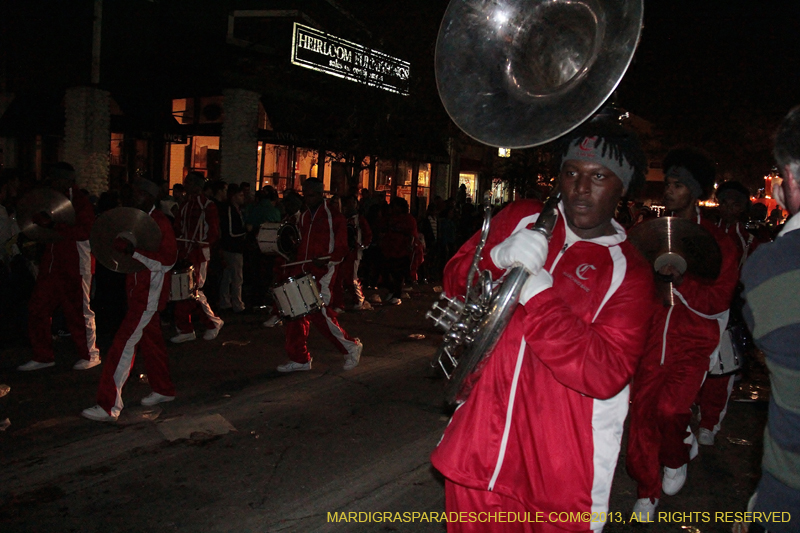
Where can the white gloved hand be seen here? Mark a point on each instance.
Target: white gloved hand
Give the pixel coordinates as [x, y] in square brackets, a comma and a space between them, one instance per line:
[534, 285]
[526, 247]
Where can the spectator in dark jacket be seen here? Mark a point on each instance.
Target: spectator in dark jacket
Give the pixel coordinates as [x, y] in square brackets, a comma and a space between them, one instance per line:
[232, 243]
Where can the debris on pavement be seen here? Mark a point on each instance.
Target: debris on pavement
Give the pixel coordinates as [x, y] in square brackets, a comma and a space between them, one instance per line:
[185, 427]
[5, 424]
[4, 389]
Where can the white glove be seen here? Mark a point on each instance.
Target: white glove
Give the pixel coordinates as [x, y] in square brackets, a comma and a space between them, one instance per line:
[526, 247]
[534, 285]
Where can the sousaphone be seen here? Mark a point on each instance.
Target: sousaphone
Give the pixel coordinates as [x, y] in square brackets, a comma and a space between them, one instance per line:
[518, 74]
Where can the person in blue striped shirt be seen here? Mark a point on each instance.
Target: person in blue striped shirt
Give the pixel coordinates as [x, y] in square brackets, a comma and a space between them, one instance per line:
[771, 287]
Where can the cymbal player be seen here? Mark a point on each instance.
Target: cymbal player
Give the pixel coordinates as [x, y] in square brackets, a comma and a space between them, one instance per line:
[683, 339]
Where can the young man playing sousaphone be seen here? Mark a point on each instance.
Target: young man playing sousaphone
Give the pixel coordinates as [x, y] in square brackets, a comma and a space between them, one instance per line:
[541, 430]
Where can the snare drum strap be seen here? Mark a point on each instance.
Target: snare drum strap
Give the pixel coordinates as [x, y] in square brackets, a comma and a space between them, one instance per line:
[722, 321]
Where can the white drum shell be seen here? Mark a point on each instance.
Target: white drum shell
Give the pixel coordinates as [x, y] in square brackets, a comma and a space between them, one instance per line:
[730, 355]
[182, 286]
[298, 297]
[268, 237]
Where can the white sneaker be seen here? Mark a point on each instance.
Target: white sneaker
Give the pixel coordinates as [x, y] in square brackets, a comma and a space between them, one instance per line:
[645, 509]
[273, 321]
[211, 334]
[674, 479]
[292, 366]
[34, 365]
[86, 364]
[183, 337]
[353, 356]
[154, 398]
[394, 301]
[706, 437]
[98, 414]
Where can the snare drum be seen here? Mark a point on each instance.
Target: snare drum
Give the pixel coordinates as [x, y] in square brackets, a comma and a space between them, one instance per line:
[298, 297]
[731, 352]
[278, 238]
[183, 286]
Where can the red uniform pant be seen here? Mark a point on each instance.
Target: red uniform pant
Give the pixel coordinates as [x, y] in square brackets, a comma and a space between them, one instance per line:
[71, 293]
[460, 501]
[713, 401]
[140, 330]
[185, 308]
[347, 282]
[661, 401]
[325, 321]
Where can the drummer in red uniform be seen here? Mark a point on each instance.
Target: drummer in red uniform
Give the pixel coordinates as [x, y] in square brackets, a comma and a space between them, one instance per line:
[323, 245]
[197, 226]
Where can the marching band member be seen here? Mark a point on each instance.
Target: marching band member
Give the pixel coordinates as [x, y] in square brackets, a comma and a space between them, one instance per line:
[683, 339]
[541, 430]
[64, 279]
[197, 226]
[712, 400]
[323, 244]
[148, 292]
[359, 236]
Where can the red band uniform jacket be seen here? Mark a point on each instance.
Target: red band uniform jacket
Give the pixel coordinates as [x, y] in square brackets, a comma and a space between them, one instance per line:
[544, 422]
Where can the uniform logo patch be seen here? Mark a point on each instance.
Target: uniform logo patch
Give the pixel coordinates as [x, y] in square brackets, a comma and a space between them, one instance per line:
[583, 269]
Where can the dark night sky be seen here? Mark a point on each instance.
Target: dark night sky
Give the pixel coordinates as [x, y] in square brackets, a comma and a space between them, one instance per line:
[715, 73]
[718, 74]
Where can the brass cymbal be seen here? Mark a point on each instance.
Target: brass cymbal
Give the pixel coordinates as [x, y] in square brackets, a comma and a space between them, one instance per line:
[131, 223]
[51, 202]
[680, 242]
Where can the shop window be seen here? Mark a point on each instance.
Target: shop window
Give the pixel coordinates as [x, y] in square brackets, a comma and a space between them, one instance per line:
[469, 179]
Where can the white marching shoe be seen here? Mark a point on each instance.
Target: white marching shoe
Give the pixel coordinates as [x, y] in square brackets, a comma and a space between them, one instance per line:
[293, 366]
[98, 414]
[183, 337]
[86, 364]
[674, 479]
[705, 437]
[645, 509]
[34, 365]
[211, 334]
[353, 356]
[153, 398]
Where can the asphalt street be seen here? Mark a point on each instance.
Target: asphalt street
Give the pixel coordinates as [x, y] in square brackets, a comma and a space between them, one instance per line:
[246, 449]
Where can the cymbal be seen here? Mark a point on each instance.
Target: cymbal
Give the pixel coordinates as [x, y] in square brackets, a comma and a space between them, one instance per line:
[131, 223]
[680, 242]
[51, 202]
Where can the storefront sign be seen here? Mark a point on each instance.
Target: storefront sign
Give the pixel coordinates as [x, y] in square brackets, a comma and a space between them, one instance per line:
[322, 52]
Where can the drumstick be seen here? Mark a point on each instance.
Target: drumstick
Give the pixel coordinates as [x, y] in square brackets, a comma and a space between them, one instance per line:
[306, 261]
[190, 240]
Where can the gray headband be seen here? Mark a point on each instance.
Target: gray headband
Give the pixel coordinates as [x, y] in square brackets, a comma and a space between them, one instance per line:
[683, 175]
[585, 150]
